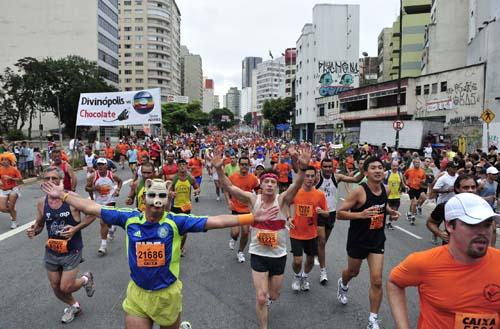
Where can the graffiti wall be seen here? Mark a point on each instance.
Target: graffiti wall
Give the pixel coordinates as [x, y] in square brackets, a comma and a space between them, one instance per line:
[336, 76]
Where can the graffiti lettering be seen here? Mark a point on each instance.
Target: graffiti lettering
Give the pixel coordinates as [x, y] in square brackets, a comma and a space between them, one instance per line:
[336, 76]
[464, 93]
[464, 121]
[337, 67]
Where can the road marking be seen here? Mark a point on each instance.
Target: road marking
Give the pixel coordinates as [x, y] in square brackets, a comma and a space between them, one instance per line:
[25, 226]
[16, 230]
[408, 232]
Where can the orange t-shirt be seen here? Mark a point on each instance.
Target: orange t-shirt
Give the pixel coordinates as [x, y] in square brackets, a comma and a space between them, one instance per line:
[274, 157]
[246, 183]
[140, 154]
[283, 170]
[349, 163]
[8, 184]
[452, 295]
[109, 152]
[414, 177]
[122, 148]
[305, 217]
[226, 161]
[316, 164]
[196, 167]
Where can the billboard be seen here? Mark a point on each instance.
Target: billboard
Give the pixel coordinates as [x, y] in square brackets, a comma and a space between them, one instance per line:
[177, 99]
[336, 76]
[119, 108]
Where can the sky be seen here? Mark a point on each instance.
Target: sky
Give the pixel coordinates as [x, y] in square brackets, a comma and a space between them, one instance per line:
[224, 32]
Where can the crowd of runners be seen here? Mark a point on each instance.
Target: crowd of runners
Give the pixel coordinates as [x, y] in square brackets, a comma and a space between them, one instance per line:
[284, 197]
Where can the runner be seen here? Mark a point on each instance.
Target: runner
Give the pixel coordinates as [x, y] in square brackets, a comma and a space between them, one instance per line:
[63, 251]
[246, 182]
[395, 183]
[283, 169]
[122, 149]
[366, 208]
[415, 176]
[90, 157]
[137, 187]
[106, 187]
[195, 166]
[154, 294]
[445, 184]
[169, 169]
[69, 181]
[488, 188]
[132, 156]
[268, 248]
[472, 300]
[10, 177]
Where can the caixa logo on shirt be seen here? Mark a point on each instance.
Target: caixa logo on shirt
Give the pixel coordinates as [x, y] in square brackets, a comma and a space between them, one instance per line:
[492, 292]
[63, 214]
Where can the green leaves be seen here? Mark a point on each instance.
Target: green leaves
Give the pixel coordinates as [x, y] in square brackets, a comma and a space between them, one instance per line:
[222, 118]
[183, 117]
[278, 110]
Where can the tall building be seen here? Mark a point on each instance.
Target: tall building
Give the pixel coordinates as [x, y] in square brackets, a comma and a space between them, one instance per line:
[290, 67]
[150, 46]
[216, 102]
[446, 37]
[208, 95]
[245, 101]
[191, 75]
[384, 54]
[417, 14]
[368, 70]
[267, 78]
[58, 28]
[232, 101]
[247, 65]
[327, 61]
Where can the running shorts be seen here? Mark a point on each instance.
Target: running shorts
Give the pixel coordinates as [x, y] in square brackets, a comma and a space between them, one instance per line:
[65, 262]
[310, 247]
[327, 222]
[415, 194]
[272, 265]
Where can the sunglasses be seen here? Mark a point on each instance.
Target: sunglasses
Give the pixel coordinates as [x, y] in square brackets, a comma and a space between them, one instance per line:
[161, 195]
[50, 178]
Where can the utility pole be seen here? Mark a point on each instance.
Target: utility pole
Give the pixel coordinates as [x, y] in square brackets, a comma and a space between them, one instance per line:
[398, 109]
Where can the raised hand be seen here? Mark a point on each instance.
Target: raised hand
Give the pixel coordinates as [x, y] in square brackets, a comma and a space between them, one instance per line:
[52, 190]
[305, 156]
[216, 159]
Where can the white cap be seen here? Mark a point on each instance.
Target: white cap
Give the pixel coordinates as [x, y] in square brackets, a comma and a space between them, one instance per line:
[492, 170]
[101, 160]
[469, 208]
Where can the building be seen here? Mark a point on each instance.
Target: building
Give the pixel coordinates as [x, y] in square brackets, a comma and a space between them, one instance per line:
[216, 102]
[232, 101]
[58, 28]
[327, 61]
[417, 14]
[384, 54]
[150, 46]
[368, 70]
[290, 68]
[191, 75]
[245, 101]
[446, 36]
[267, 79]
[208, 96]
[248, 64]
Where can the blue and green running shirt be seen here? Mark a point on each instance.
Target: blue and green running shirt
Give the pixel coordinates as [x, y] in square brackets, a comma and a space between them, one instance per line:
[153, 248]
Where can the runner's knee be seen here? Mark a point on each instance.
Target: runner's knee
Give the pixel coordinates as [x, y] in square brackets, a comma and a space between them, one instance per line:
[376, 281]
[261, 297]
[353, 272]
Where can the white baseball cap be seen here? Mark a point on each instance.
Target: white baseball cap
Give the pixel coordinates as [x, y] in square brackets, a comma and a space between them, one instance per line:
[469, 208]
[492, 170]
[101, 161]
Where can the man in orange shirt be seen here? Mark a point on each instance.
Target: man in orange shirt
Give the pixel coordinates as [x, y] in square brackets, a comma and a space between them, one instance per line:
[283, 169]
[108, 150]
[122, 148]
[195, 165]
[414, 178]
[245, 182]
[10, 177]
[309, 203]
[458, 283]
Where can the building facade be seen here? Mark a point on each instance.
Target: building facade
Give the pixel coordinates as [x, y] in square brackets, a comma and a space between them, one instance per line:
[245, 101]
[208, 96]
[290, 68]
[368, 70]
[327, 61]
[267, 80]
[384, 54]
[216, 102]
[248, 64]
[232, 101]
[191, 75]
[150, 55]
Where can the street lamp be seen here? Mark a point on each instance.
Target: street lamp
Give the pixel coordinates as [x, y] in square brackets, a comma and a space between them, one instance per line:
[398, 105]
[365, 55]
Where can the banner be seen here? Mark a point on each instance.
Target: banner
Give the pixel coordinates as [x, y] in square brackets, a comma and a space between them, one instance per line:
[119, 108]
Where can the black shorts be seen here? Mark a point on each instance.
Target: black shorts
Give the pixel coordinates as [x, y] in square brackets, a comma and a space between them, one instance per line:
[179, 210]
[275, 266]
[394, 203]
[362, 253]
[415, 194]
[328, 222]
[310, 247]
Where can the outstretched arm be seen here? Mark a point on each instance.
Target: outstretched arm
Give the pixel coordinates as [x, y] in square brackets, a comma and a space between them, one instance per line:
[302, 161]
[399, 308]
[85, 205]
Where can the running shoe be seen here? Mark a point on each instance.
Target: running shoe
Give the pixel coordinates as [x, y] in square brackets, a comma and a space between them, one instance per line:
[70, 313]
[389, 226]
[296, 283]
[13, 224]
[323, 277]
[304, 284]
[196, 199]
[408, 215]
[185, 325]
[90, 286]
[419, 210]
[269, 302]
[342, 292]
[111, 232]
[218, 198]
[232, 244]
[373, 323]
[102, 250]
[316, 261]
[412, 220]
[241, 257]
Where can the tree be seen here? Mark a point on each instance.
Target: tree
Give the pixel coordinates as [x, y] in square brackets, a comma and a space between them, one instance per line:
[248, 118]
[222, 118]
[183, 117]
[278, 110]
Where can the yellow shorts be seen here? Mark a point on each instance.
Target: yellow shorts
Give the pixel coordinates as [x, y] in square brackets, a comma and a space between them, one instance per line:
[161, 306]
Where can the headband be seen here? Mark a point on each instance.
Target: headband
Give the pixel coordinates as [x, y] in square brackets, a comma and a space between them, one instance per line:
[269, 175]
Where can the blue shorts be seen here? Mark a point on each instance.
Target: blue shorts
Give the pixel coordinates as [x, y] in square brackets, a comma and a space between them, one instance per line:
[198, 180]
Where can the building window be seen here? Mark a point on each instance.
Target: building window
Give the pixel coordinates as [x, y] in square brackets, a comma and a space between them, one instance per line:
[444, 86]
[107, 42]
[138, 28]
[139, 80]
[434, 88]
[322, 110]
[127, 3]
[139, 63]
[128, 71]
[127, 55]
[139, 54]
[138, 46]
[108, 11]
[139, 20]
[418, 90]
[426, 89]
[127, 29]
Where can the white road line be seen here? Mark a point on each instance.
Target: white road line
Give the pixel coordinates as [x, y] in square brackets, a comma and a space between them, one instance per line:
[408, 232]
[16, 230]
[25, 226]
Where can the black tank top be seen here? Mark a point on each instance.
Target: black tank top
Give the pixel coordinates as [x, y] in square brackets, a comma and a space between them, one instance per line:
[56, 219]
[369, 233]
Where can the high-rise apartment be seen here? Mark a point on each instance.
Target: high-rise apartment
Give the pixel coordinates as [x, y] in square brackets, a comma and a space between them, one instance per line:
[191, 75]
[208, 95]
[150, 46]
[216, 102]
[384, 54]
[232, 101]
[290, 67]
[247, 65]
[267, 78]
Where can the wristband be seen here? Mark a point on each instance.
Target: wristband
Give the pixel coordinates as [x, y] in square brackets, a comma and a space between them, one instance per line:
[245, 219]
[65, 196]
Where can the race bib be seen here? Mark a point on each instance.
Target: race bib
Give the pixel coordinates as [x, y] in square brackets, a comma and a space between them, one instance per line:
[104, 190]
[472, 321]
[304, 210]
[268, 238]
[187, 207]
[377, 221]
[150, 255]
[58, 245]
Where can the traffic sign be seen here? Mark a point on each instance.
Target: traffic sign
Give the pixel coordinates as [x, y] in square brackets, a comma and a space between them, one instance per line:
[487, 116]
[398, 125]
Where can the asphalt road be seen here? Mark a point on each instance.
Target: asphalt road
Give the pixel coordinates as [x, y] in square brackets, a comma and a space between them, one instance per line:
[218, 291]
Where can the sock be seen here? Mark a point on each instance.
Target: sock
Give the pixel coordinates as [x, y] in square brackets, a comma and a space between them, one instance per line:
[305, 275]
[85, 280]
[342, 284]
[104, 243]
[298, 275]
[373, 316]
[76, 304]
[322, 269]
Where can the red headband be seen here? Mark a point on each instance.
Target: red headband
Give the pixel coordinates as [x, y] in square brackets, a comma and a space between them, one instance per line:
[269, 175]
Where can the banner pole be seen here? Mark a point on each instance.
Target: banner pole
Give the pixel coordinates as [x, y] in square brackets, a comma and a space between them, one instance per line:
[74, 148]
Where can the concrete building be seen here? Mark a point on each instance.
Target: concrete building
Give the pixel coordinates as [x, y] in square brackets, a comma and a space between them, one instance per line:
[384, 54]
[150, 46]
[368, 70]
[232, 101]
[248, 64]
[208, 95]
[446, 36]
[245, 101]
[216, 102]
[58, 28]
[267, 78]
[290, 68]
[191, 75]
[416, 17]
[327, 61]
